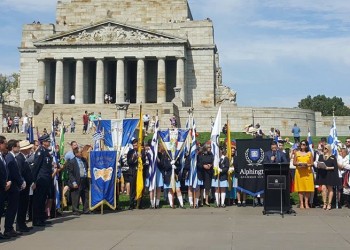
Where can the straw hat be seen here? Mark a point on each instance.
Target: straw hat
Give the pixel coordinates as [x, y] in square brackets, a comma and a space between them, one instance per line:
[25, 145]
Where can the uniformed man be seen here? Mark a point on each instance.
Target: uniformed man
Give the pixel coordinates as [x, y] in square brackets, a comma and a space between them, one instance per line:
[132, 160]
[42, 177]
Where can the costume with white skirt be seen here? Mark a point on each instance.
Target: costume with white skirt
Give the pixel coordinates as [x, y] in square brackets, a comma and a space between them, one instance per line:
[224, 165]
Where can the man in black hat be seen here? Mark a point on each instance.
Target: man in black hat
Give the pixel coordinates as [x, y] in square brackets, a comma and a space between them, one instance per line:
[41, 180]
[132, 159]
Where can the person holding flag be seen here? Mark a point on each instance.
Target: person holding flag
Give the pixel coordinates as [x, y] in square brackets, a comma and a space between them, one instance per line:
[167, 165]
[205, 170]
[219, 181]
[132, 161]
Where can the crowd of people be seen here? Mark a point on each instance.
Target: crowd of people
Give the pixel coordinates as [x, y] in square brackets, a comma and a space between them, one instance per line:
[29, 176]
[16, 123]
[30, 173]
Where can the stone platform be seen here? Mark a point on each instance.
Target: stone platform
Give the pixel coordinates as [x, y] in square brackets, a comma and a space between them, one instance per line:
[205, 228]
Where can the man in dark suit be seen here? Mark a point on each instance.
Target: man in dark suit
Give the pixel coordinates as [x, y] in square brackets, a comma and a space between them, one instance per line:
[5, 183]
[78, 182]
[42, 172]
[18, 184]
[26, 173]
[132, 159]
[274, 155]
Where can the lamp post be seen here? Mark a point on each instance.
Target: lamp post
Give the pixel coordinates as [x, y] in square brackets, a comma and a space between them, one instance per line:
[253, 111]
[122, 109]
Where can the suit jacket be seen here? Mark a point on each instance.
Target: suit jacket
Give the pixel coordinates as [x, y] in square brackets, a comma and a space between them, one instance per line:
[24, 169]
[280, 157]
[4, 174]
[14, 173]
[224, 165]
[74, 171]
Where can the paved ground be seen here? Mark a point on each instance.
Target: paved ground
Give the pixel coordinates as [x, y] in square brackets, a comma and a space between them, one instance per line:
[205, 228]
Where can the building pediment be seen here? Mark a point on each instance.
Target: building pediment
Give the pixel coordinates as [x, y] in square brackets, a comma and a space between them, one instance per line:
[109, 32]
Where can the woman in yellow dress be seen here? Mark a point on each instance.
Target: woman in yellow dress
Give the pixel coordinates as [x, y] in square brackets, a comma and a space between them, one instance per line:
[304, 178]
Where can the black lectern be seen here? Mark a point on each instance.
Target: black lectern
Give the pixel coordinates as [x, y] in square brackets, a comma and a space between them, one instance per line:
[277, 188]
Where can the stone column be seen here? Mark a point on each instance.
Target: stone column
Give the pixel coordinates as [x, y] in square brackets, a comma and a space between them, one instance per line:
[161, 88]
[41, 81]
[119, 95]
[59, 82]
[99, 97]
[140, 88]
[79, 82]
[180, 76]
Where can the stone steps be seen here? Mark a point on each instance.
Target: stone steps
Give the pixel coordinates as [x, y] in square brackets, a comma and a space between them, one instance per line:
[108, 111]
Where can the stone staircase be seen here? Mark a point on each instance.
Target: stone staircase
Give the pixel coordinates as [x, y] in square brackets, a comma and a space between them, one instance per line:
[109, 111]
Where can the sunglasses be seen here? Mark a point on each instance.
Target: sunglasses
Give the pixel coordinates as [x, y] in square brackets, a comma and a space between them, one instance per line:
[303, 144]
[347, 141]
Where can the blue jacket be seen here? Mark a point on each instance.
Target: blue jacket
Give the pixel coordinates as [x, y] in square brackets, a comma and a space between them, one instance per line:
[280, 157]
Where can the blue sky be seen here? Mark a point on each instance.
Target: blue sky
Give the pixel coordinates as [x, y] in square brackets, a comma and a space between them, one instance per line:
[272, 52]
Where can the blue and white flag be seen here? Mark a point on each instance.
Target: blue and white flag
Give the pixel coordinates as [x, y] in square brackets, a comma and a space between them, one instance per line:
[174, 141]
[30, 134]
[333, 138]
[193, 181]
[154, 151]
[55, 162]
[103, 174]
[309, 140]
[117, 132]
[215, 134]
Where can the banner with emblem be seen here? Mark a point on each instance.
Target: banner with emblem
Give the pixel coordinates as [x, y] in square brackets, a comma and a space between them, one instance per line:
[103, 174]
[250, 169]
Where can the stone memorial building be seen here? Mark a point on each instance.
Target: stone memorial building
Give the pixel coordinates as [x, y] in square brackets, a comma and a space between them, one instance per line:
[133, 50]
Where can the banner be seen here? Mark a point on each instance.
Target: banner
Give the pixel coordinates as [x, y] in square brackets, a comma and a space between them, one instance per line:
[103, 174]
[250, 169]
[117, 132]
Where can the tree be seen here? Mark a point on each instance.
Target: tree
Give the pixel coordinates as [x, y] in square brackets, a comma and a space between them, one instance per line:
[325, 105]
[8, 82]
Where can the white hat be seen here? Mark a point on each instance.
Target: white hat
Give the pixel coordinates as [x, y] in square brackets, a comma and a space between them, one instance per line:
[25, 145]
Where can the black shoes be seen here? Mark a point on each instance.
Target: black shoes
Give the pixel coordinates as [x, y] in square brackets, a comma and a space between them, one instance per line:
[76, 213]
[223, 205]
[39, 224]
[12, 233]
[4, 237]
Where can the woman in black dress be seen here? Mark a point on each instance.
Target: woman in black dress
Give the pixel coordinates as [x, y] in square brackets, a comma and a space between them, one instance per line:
[327, 176]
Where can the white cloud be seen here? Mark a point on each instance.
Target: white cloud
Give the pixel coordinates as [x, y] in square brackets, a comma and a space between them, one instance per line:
[271, 49]
[288, 25]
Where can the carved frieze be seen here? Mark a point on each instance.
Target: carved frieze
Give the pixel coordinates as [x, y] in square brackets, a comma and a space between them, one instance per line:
[111, 33]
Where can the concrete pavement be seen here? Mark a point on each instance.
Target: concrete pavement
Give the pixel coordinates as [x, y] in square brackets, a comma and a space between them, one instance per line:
[204, 228]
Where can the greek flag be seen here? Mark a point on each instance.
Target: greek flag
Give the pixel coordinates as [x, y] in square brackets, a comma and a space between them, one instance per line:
[30, 134]
[193, 154]
[309, 140]
[154, 151]
[333, 138]
[55, 162]
[174, 141]
[215, 134]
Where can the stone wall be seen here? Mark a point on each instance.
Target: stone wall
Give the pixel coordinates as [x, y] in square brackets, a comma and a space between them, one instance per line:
[75, 13]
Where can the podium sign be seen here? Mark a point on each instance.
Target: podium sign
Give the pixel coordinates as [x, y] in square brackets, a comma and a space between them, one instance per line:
[276, 182]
